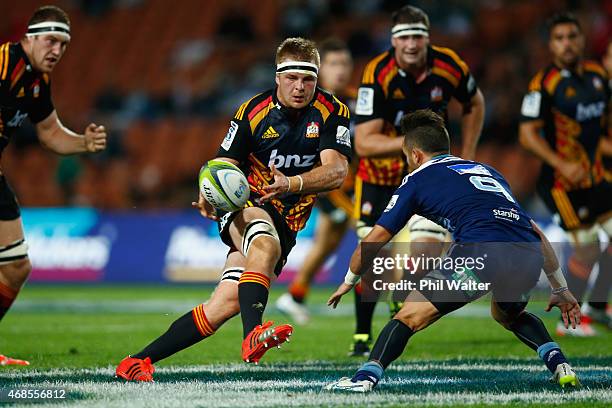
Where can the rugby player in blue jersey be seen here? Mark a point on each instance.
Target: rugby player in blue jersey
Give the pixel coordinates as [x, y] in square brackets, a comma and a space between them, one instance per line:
[473, 201]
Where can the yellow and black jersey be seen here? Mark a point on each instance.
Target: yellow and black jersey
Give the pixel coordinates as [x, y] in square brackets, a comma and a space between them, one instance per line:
[263, 133]
[24, 92]
[573, 107]
[387, 92]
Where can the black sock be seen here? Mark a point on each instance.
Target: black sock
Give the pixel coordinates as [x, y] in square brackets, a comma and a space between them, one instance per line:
[253, 290]
[601, 288]
[531, 331]
[181, 334]
[391, 342]
[364, 312]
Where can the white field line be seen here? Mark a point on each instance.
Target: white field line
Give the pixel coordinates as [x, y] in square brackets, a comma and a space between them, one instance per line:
[297, 393]
[283, 391]
[179, 306]
[315, 367]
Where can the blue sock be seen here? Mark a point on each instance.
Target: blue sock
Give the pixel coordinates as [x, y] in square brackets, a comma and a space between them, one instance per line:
[370, 371]
[552, 355]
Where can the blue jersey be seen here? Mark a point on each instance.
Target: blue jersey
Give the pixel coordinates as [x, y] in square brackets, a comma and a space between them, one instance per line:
[471, 200]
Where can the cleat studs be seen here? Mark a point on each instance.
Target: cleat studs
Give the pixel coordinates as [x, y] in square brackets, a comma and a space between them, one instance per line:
[288, 340]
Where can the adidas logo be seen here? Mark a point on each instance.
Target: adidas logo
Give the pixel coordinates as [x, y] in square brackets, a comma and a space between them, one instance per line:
[270, 133]
[21, 93]
[398, 94]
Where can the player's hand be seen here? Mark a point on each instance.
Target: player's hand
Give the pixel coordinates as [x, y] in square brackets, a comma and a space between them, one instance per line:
[573, 172]
[279, 187]
[570, 309]
[95, 138]
[207, 210]
[341, 291]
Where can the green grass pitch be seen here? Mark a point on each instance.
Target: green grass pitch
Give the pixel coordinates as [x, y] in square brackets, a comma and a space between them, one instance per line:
[74, 336]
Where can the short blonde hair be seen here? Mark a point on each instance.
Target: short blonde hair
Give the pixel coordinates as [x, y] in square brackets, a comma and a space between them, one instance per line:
[299, 48]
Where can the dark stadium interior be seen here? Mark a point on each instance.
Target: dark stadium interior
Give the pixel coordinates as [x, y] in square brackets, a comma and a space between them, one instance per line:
[166, 82]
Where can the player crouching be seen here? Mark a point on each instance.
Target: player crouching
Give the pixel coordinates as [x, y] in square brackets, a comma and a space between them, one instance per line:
[465, 198]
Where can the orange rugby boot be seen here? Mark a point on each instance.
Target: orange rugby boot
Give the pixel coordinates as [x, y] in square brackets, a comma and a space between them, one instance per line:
[135, 369]
[262, 338]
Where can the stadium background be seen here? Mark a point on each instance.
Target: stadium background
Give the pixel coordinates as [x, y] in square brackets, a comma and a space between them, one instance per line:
[165, 83]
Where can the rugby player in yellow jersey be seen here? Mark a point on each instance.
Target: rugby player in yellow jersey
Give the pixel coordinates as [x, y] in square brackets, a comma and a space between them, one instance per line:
[567, 103]
[411, 75]
[25, 92]
[291, 142]
[335, 207]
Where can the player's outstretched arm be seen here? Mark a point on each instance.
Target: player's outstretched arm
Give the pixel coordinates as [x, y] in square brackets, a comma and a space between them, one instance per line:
[328, 176]
[471, 125]
[561, 296]
[204, 207]
[54, 136]
[377, 238]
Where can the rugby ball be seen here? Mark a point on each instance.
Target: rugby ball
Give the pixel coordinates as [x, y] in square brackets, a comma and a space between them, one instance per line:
[223, 185]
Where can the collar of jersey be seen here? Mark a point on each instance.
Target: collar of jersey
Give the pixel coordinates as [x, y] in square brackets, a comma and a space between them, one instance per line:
[22, 54]
[434, 160]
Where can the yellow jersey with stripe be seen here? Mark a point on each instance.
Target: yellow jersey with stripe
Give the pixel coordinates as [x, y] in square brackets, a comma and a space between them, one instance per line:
[387, 92]
[263, 133]
[24, 92]
[574, 107]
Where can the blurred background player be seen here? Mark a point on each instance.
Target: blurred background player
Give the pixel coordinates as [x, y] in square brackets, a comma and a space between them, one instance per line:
[607, 142]
[302, 130]
[568, 102]
[411, 75]
[25, 92]
[335, 207]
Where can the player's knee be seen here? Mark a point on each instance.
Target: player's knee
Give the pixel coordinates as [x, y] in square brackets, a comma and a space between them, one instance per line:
[412, 318]
[261, 236]
[430, 235]
[15, 266]
[266, 249]
[586, 244]
[16, 273]
[587, 254]
[501, 318]
[505, 318]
